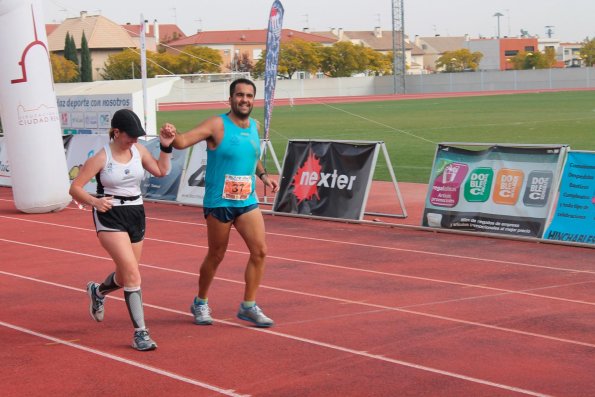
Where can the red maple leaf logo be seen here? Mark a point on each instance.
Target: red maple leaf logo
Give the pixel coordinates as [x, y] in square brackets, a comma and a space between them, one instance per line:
[309, 173]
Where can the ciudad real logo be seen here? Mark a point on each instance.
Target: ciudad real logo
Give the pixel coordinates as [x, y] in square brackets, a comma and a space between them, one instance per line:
[310, 177]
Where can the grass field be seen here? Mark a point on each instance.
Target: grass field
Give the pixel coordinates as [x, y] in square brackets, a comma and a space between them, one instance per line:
[412, 128]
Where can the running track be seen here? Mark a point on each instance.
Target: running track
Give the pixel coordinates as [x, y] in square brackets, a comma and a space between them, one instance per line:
[176, 106]
[360, 310]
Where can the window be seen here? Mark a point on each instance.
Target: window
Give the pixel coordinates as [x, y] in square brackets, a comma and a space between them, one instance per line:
[510, 53]
[530, 48]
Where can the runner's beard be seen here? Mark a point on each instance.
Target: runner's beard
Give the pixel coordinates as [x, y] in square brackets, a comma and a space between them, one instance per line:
[239, 114]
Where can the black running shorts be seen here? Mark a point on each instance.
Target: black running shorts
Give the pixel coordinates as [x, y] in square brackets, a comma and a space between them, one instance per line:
[122, 218]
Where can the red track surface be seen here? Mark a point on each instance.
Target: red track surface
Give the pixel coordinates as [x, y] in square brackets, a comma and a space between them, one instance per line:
[360, 310]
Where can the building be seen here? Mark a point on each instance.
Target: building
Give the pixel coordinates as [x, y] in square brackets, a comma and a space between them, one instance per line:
[570, 54]
[433, 47]
[497, 52]
[381, 41]
[232, 44]
[104, 38]
[155, 33]
[550, 44]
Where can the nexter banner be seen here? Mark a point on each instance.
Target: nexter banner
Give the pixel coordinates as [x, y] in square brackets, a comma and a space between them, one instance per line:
[328, 179]
[574, 220]
[502, 189]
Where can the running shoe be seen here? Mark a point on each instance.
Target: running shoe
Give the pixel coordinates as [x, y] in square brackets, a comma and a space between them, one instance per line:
[202, 313]
[142, 341]
[96, 308]
[255, 315]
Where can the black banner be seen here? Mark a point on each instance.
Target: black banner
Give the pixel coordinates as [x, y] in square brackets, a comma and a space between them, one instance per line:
[328, 179]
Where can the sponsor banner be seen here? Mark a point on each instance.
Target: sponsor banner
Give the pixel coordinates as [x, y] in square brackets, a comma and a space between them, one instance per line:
[192, 184]
[90, 114]
[506, 190]
[329, 179]
[574, 219]
[271, 61]
[4, 165]
[163, 188]
[29, 113]
[79, 149]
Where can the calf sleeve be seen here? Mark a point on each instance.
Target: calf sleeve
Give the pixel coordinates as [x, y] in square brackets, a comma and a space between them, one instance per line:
[109, 285]
[134, 301]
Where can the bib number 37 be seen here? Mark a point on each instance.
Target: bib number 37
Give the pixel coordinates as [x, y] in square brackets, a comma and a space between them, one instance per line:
[237, 187]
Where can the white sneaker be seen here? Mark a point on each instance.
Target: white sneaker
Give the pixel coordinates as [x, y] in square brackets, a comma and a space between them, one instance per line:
[96, 307]
[255, 315]
[202, 314]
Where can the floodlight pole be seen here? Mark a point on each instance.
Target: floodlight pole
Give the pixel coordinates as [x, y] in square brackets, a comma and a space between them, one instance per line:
[398, 47]
[498, 15]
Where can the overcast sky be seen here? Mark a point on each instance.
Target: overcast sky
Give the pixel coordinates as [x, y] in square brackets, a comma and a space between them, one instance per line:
[570, 20]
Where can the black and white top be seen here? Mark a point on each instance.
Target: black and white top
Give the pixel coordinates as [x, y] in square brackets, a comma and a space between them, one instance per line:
[121, 180]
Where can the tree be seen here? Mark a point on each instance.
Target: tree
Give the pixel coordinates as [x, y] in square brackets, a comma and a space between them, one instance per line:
[298, 55]
[161, 63]
[126, 65]
[459, 61]
[588, 52]
[532, 60]
[377, 64]
[63, 70]
[294, 56]
[342, 59]
[70, 54]
[195, 59]
[86, 64]
[67, 48]
[122, 66]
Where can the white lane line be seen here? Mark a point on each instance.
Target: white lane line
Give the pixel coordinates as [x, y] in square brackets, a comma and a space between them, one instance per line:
[126, 361]
[396, 275]
[340, 300]
[266, 331]
[368, 246]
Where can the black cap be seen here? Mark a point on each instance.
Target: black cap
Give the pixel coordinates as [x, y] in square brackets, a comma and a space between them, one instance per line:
[127, 121]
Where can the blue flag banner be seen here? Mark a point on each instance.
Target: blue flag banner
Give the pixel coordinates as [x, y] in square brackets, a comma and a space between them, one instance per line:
[574, 219]
[271, 62]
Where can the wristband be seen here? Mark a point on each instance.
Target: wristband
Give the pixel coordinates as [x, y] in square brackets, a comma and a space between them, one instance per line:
[166, 149]
[261, 175]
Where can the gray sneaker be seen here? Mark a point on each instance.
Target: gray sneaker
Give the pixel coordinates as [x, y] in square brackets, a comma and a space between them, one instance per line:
[202, 314]
[142, 341]
[255, 315]
[96, 308]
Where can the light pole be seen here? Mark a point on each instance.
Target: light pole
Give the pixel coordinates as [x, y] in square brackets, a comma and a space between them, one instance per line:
[498, 15]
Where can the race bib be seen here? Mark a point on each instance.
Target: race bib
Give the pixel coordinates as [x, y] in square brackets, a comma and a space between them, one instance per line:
[237, 187]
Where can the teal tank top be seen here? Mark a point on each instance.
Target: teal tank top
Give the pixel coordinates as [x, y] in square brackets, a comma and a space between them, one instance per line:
[229, 179]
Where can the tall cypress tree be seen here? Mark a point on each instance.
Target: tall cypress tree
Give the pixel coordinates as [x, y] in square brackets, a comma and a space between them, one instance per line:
[75, 57]
[71, 54]
[67, 46]
[86, 67]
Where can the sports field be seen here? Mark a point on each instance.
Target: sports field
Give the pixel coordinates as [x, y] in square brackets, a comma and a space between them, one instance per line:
[411, 128]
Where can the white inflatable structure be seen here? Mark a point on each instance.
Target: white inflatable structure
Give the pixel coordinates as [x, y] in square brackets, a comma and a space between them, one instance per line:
[29, 111]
